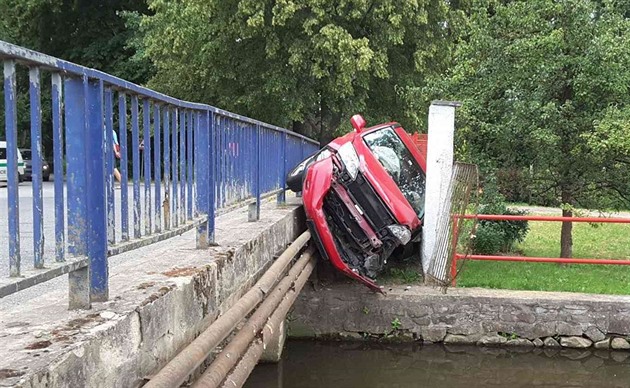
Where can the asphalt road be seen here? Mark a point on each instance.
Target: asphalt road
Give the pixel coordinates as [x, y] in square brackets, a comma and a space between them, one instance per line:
[26, 222]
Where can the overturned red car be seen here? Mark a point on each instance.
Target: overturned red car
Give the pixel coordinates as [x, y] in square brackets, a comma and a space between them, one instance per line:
[364, 198]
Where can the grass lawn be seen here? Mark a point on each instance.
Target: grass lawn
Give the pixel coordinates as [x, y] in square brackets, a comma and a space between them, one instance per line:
[604, 241]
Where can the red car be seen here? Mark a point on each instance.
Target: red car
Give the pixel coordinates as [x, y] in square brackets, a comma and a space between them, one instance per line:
[364, 197]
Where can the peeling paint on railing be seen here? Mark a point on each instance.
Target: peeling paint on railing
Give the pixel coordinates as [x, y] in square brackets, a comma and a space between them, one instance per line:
[187, 161]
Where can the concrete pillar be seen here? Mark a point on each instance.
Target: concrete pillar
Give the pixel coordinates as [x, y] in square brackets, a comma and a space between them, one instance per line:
[439, 171]
[273, 349]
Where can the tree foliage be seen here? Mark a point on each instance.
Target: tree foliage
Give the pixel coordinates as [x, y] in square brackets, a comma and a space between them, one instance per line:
[300, 63]
[90, 33]
[545, 84]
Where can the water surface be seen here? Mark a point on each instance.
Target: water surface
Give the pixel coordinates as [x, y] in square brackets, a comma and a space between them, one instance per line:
[342, 364]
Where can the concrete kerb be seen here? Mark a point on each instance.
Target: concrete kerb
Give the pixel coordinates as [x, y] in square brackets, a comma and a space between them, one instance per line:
[162, 296]
[469, 316]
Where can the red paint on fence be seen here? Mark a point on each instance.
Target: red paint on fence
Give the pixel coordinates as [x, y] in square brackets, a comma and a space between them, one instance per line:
[493, 217]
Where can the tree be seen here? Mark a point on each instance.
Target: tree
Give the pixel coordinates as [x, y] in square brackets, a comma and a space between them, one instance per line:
[90, 33]
[299, 63]
[545, 84]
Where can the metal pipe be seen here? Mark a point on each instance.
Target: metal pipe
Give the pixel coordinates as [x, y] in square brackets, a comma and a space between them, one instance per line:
[178, 369]
[244, 368]
[495, 217]
[229, 356]
[542, 259]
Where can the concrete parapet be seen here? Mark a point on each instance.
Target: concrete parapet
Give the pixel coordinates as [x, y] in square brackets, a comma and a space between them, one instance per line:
[463, 315]
[162, 296]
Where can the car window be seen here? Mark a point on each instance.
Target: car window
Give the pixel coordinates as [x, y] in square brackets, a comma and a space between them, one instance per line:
[397, 160]
[26, 154]
[3, 153]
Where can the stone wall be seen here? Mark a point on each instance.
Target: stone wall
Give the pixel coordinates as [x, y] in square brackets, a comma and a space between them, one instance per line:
[464, 316]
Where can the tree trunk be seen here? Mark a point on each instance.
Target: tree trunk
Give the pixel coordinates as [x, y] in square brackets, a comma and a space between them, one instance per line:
[566, 236]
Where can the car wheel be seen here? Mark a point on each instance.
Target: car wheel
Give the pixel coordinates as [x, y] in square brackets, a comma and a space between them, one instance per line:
[20, 178]
[46, 178]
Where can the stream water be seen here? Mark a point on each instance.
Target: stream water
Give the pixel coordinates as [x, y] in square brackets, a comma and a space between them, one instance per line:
[307, 364]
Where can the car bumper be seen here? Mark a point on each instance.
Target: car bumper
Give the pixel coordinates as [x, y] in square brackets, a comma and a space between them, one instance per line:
[366, 218]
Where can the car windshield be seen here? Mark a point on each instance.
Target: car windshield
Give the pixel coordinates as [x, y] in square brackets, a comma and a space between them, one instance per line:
[26, 154]
[397, 160]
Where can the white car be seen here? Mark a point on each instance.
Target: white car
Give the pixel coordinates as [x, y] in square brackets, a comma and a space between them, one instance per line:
[3, 163]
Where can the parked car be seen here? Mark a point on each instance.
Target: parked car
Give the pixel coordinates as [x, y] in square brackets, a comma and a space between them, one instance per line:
[3, 163]
[363, 195]
[28, 166]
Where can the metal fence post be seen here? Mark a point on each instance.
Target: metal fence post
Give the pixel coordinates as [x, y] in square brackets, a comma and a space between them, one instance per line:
[202, 161]
[75, 108]
[212, 177]
[157, 167]
[146, 170]
[36, 163]
[60, 230]
[281, 199]
[10, 117]
[254, 209]
[96, 201]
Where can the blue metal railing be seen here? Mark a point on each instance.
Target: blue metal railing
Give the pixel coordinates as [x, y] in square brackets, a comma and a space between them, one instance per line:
[179, 163]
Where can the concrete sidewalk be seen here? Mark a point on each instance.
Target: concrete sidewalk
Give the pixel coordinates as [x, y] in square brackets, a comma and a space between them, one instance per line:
[161, 296]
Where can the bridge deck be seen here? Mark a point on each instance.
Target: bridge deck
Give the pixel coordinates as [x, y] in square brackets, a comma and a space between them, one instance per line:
[37, 330]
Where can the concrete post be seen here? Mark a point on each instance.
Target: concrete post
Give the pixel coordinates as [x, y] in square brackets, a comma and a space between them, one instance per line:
[439, 171]
[273, 350]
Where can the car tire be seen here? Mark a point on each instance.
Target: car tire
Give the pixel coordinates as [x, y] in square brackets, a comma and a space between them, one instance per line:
[46, 178]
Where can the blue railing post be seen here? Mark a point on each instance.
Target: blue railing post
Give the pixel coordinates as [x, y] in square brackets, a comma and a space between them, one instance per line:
[60, 233]
[202, 169]
[283, 169]
[124, 174]
[212, 177]
[182, 167]
[96, 201]
[254, 211]
[190, 160]
[10, 118]
[157, 171]
[168, 197]
[36, 163]
[174, 168]
[135, 156]
[109, 166]
[76, 173]
[146, 153]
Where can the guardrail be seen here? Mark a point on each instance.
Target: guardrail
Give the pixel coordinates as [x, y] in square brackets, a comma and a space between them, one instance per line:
[180, 162]
[492, 217]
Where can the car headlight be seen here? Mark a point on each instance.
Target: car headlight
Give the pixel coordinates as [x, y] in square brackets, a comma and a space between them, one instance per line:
[45, 167]
[401, 233]
[350, 159]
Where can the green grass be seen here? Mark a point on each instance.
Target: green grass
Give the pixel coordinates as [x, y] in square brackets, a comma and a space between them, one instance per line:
[604, 241]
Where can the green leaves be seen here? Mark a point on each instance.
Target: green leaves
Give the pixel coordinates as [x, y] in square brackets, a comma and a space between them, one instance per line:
[545, 84]
[309, 64]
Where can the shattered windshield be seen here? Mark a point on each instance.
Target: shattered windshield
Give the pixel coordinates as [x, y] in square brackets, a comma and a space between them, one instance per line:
[392, 153]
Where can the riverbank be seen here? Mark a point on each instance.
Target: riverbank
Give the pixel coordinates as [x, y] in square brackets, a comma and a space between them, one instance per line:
[463, 316]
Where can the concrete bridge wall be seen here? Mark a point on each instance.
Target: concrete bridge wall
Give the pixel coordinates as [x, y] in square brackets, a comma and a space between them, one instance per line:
[162, 297]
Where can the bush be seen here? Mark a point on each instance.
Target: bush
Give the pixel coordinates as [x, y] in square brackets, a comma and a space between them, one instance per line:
[497, 236]
[489, 239]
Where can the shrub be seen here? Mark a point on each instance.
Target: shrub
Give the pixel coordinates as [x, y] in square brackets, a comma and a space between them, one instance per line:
[489, 239]
[497, 236]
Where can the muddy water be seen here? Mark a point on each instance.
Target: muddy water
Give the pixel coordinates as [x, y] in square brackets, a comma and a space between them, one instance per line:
[308, 364]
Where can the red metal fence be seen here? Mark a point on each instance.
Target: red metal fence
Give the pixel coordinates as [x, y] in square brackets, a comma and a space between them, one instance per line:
[491, 217]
